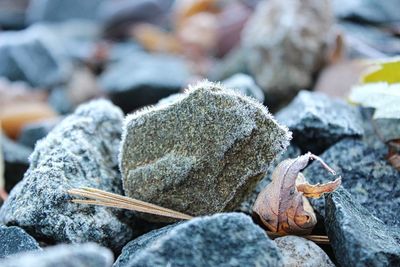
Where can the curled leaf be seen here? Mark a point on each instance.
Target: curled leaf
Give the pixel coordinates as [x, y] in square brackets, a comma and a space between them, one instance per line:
[282, 207]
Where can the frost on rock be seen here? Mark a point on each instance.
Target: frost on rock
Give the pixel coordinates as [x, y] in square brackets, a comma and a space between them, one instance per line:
[202, 154]
[285, 44]
[81, 151]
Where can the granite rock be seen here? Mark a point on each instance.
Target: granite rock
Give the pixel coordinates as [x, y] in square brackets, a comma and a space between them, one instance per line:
[318, 121]
[15, 240]
[202, 154]
[245, 84]
[229, 239]
[357, 237]
[143, 79]
[285, 44]
[81, 151]
[298, 251]
[77, 255]
[366, 174]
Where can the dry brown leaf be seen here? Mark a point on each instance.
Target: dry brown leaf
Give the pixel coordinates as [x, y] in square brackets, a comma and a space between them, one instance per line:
[316, 190]
[281, 207]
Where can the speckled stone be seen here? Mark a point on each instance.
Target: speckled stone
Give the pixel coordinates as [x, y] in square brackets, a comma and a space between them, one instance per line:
[357, 237]
[78, 255]
[202, 154]
[15, 240]
[228, 239]
[81, 151]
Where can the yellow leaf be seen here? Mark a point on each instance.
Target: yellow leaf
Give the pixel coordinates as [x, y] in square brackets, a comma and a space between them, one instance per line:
[383, 72]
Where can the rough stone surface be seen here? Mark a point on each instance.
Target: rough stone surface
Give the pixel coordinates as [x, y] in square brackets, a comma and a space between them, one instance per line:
[134, 247]
[143, 79]
[247, 205]
[78, 255]
[366, 174]
[357, 237]
[245, 84]
[285, 43]
[81, 151]
[298, 251]
[61, 10]
[229, 239]
[318, 121]
[16, 161]
[24, 56]
[35, 131]
[15, 240]
[202, 154]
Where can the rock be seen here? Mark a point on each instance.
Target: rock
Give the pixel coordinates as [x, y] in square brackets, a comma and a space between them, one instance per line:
[26, 57]
[12, 14]
[32, 132]
[220, 240]
[212, 149]
[318, 121]
[286, 44]
[246, 206]
[245, 84]
[15, 240]
[366, 174]
[16, 161]
[118, 17]
[61, 10]
[143, 79]
[357, 237]
[80, 151]
[298, 251]
[89, 255]
[60, 101]
[134, 247]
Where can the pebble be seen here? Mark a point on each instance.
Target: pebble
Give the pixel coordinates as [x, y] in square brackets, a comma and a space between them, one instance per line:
[246, 85]
[15, 240]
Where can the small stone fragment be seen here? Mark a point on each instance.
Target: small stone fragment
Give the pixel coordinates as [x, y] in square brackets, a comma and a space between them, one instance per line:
[32, 132]
[202, 154]
[246, 85]
[78, 255]
[298, 251]
[143, 79]
[366, 174]
[80, 151]
[286, 44]
[15, 240]
[229, 239]
[317, 121]
[357, 237]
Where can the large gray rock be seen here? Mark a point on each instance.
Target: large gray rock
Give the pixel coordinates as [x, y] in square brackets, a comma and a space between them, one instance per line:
[81, 151]
[245, 84]
[247, 205]
[143, 79]
[78, 255]
[357, 237]
[229, 239]
[318, 121]
[202, 154]
[15, 240]
[366, 174]
[300, 252]
[285, 44]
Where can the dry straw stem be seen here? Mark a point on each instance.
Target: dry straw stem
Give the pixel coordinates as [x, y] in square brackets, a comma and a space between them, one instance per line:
[103, 198]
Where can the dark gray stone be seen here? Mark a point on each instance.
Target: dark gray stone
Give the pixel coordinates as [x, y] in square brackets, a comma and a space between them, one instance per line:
[247, 206]
[16, 161]
[229, 239]
[24, 56]
[78, 255]
[357, 237]
[15, 240]
[80, 151]
[245, 84]
[143, 79]
[318, 121]
[134, 247]
[33, 132]
[203, 154]
[12, 14]
[366, 174]
[61, 10]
